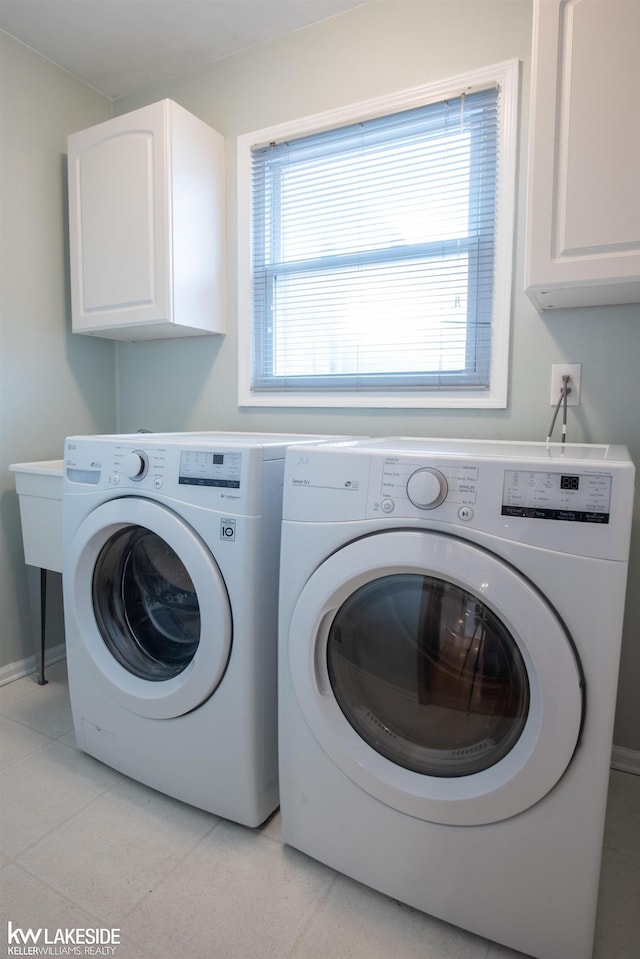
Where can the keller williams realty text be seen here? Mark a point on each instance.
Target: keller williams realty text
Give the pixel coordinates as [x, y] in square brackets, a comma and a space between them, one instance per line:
[54, 951]
[61, 942]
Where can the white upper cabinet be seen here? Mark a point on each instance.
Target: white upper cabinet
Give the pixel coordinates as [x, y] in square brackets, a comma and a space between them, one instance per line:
[583, 218]
[147, 226]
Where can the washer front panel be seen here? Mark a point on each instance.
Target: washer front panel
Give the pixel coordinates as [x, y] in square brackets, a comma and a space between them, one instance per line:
[436, 677]
[151, 606]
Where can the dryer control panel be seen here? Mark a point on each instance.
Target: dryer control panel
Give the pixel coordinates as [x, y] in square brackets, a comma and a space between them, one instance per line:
[575, 501]
[573, 497]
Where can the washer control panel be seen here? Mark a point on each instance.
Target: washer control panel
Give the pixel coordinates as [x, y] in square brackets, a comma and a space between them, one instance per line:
[201, 470]
[109, 465]
[170, 468]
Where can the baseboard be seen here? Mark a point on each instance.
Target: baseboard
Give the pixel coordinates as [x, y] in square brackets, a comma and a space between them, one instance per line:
[25, 667]
[626, 760]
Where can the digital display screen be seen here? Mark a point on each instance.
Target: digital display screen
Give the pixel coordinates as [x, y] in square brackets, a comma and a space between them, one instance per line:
[200, 468]
[569, 482]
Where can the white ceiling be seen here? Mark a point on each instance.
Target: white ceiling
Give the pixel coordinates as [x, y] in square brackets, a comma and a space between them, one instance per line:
[118, 46]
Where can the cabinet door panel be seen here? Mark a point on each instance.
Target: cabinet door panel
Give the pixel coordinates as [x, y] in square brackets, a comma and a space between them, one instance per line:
[583, 212]
[147, 226]
[599, 136]
[115, 183]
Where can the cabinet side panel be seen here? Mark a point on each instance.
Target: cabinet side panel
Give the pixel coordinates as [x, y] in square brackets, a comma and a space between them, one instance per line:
[198, 216]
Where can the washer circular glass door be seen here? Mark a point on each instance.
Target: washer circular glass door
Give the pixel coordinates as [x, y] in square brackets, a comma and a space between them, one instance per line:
[145, 604]
[436, 677]
[151, 606]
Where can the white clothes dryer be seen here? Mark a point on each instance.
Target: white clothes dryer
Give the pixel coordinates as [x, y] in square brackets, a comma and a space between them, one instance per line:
[170, 580]
[450, 626]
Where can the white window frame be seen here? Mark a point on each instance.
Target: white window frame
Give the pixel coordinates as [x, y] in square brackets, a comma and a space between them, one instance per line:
[506, 76]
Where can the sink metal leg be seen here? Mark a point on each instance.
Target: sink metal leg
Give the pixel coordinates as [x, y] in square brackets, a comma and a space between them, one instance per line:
[43, 618]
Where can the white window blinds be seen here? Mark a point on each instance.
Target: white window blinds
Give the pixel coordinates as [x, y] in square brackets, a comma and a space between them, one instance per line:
[374, 253]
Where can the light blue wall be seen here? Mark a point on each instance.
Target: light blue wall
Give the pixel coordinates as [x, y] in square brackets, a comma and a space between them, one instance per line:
[379, 49]
[51, 382]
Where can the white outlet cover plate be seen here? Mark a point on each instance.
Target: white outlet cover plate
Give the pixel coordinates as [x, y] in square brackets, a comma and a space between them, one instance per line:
[558, 370]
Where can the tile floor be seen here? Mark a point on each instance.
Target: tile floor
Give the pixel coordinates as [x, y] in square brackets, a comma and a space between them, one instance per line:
[85, 847]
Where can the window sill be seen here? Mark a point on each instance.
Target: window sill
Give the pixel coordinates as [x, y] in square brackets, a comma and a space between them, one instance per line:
[362, 400]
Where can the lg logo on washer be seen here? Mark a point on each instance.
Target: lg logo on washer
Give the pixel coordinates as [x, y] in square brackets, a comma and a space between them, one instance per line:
[228, 530]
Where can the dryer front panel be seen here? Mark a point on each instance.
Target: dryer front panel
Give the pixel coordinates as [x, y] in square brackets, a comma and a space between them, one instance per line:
[436, 677]
[151, 605]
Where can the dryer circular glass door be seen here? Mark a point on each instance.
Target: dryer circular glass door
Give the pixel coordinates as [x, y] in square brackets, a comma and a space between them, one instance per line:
[436, 677]
[151, 606]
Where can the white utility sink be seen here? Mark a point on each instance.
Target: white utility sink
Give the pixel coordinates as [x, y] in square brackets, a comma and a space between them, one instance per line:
[39, 487]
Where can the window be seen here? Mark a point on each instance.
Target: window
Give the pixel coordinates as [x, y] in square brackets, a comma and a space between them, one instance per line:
[377, 251]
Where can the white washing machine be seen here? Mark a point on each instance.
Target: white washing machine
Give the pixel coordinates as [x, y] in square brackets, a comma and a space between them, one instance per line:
[450, 625]
[170, 579]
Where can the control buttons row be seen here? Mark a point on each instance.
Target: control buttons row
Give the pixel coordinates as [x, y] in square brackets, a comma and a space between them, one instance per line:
[114, 480]
[465, 513]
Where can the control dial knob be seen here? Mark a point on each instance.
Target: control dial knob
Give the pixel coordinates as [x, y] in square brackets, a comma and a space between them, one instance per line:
[135, 464]
[427, 488]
